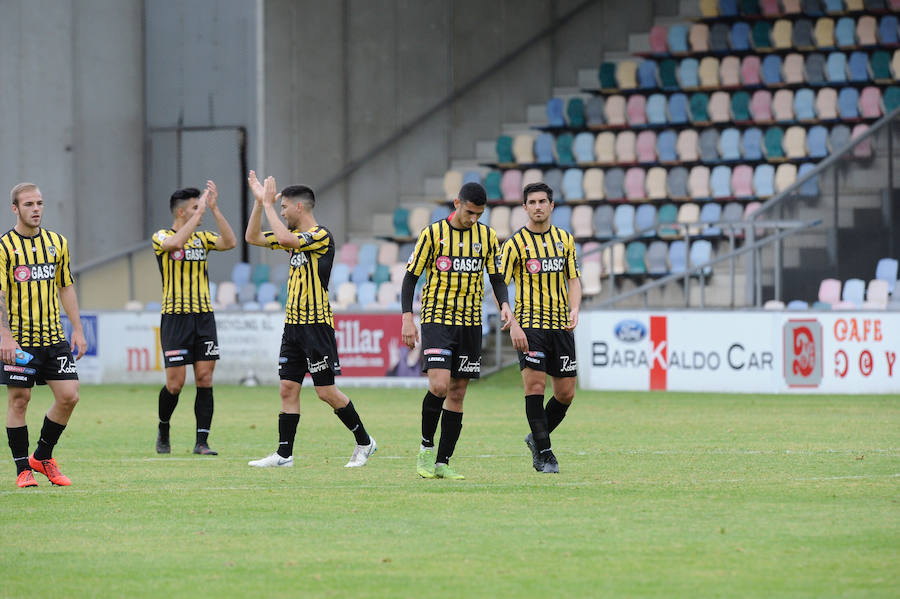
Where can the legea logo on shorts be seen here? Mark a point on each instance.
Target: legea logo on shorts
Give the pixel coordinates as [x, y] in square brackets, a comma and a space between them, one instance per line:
[443, 263]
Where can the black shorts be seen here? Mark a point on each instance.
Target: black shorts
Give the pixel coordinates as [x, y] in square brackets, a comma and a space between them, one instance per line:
[551, 351]
[188, 338]
[456, 348]
[50, 363]
[308, 348]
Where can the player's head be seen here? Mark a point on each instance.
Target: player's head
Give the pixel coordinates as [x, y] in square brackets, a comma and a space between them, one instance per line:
[186, 199]
[295, 200]
[538, 200]
[469, 204]
[27, 204]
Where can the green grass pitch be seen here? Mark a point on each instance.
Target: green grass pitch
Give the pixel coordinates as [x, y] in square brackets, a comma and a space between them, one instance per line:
[659, 495]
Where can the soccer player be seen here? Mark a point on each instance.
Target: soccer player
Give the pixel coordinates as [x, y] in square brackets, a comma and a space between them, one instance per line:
[308, 343]
[454, 251]
[541, 259]
[187, 328]
[34, 280]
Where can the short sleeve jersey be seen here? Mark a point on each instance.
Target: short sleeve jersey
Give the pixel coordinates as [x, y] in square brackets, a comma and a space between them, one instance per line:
[455, 261]
[307, 289]
[31, 269]
[541, 265]
[185, 279]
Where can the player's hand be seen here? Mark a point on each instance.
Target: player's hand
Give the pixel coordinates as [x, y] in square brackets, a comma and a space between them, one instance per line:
[573, 320]
[212, 196]
[506, 317]
[518, 338]
[256, 187]
[409, 333]
[201, 205]
[269, 192]
[79, 345]
[8, 347]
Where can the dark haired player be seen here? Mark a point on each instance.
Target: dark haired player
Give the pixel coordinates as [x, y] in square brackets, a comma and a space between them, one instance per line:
[454, 252]
[308, 343]
[34, 280]
[541, 259]
[187, 326]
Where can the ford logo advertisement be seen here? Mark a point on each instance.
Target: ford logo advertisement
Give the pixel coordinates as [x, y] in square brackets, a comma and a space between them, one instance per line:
[630, 331]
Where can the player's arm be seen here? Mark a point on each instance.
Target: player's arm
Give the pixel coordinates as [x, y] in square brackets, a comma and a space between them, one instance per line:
[69, 301]
[498, 282]
[253, 235]
[574, 302]
[421, 255]
[509, 257]
[8, 344]
[226, 239]
[177, 241]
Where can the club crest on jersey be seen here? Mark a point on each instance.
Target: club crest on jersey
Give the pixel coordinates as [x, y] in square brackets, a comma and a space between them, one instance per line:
[559, 246]
[443, 263]
[476, 247]
[197, 242]
[52, 250]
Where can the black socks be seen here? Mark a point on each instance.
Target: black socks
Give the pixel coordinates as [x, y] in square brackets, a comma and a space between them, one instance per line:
[555, 411]
[431, 414]
[18, 443]
[351, 420]
[287, 430]
[537, 420]
[203, 410]
[50, 433]
[167, 403]
[451, 426]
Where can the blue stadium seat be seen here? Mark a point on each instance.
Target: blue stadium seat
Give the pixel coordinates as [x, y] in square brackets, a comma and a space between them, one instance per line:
[471, 176]
[711, 212]
[282, 271]
[854, 291]
[817, 142]
[543, 149]
[645, 219]
[887, 31]
[797, 305]
[687, 73]
[365, 293]
[553, 178]
[677, 39]
[623, 222]
[614, 184]
[266, 292]
[246, 293]
[240, 274]
[764, 180]
[572, 185]
[886, 270]
[361, 273]
[677, 256]
[728, 8]
[439, 213]
[814, 69]
[845, 32]
[833, 7]
[555, 116]
[583, 147]
[368, 254]
[812, 8]
[701, 254]
[740, 36]
[805, 104]
[808, 188]
[771, 70]
[858, 66]
[562, 217]
[657, 258]
[751, 144]
[595, 111]
[646, 74]
[836, 67]
[603, 221]
[678, 109]
[720, 182]
[656, 109]
[340, 273]
[709, 145]
[848, 103]
[665, 146]
[676, 183]
[730, 144]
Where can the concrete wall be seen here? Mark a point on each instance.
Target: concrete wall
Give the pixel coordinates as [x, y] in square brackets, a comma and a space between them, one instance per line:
[341, 77]
[71, 116]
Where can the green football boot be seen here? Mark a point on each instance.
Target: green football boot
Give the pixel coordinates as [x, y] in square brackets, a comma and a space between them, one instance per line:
[425, 463]
[445, 471]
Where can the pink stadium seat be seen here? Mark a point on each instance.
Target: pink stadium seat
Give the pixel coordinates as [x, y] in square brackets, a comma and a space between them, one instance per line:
[636, 108]
[750, 70]
[634, 184]
[870, 102]
[830, 291]
[518, 218]
[511, 185]
[863, 149]
[646, 146]
[761, 106]
[658, 43]
[349, 253]
[625, 147]
[730, 72]
[791, 7]
[770, 8]
[532, 175]
[742, 181]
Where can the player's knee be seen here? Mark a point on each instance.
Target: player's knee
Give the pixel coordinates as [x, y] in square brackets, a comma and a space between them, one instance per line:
[535, 389]
[440, 389]
[204, 380]
[68, 399]
[565, 397]
[174, 387]
[18, 404]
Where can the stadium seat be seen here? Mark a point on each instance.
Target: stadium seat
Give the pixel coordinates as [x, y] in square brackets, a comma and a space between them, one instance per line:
[730, 144]
[240, 274]
[543, 149]
[668, 75]
[870, 102]
[400, 222]
[826, 104]
[785, 176]
[740, 107]
[761, 106]
[605, 148]
[698, 107]
[137, 306]
[687, 145]
[708, 73]
[876, 295]
[555, 116]
[698, 37]
[678, 109]
[891, 99]
[770, 8]
[572, 184]
[553, 178]
[595, 111]
[834, 7]
[836, 67]
[794, 142]
[440, 213]
[783, 106]
[645, 146]
[657, 40]
[636, 110]
[626, 75]
[676, 182]
[499, 221]
[582, 221]
[708, 143]
[590, 278]
[492, 185]
[266, 292]
[804, 105]
[656, 183]
[858, 67]
[562, 217]
[751, 67]
[761, 36]
[794, 69]
[781, 34]
[848, 103]
[698, 183]
[733, 212]
[864, 148]
[888, 31]
[246, 293]
[666, 143]
[361, 273]
[771, 70]
[504, 148]
[854, 292]
[802, 35]
[656, 109]
[764, 180]
[845, 33]
[575, 112]
[623, 222]
[635, 252]
[838, 138]
[523, 149]
[666, 218]
[634, 184]
[720, 182]
[645, 220]
[812, 8]
[824, 33]
[814, 69]
[260, 274]
[614, 184]
[518, 218]
[773, 143]
[453, 180]
[719, 107]
[677, 39]
[867, 31]
[607, 76]
[810, 187]
[387, 296]
[656, 258]
[887, 270]
[472, 176]
[511, 185]
[603, 221]
[773, 304]
[419, 218]
[583, 147]
[711, 212]
[880, 67]
[564, 156]
[677, 256]
[730, 72]
[388, 253]
[348, 254]
[688, 77]
[689, 214]
[365, 294]
[340, 273]
[701, 254]
[751, 144]
[817, 142]
[742, 181]
[720, 38]
[830, 291]
[797, 305]
[532, 175]
[615, 111]
[593, 184]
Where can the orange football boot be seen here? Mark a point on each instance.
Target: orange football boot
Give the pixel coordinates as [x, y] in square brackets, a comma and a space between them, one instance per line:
[49, 469]
[26, 479]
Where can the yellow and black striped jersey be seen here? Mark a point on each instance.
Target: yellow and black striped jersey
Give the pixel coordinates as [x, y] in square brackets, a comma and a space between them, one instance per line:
[31, 269]
[307, 290]
[455, 261]
[185, 278]
[541, 265]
